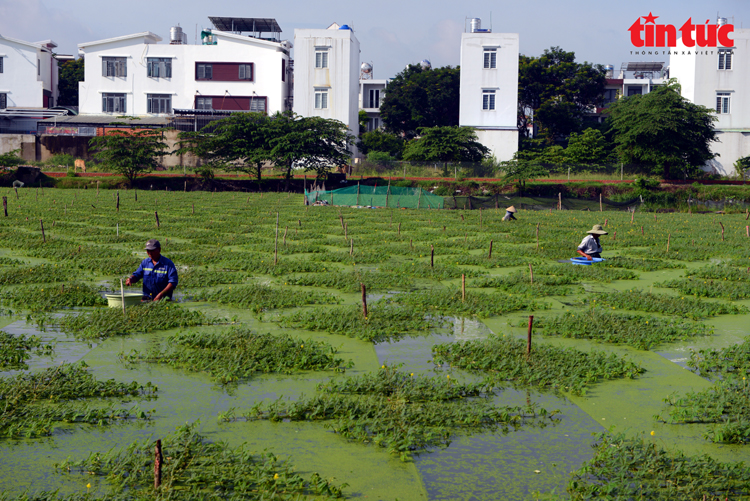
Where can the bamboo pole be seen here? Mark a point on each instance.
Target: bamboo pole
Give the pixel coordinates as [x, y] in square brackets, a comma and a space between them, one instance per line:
[5, 206]
[432, 256]
[419, 197]
[531, 274]
[346, 232]
[528, 335]
[722, 231]
[118, 201]
[42, 225]
[16, 192]
[559, 201]
[156, 215]
[600, 203]
[158, 458]
[669, 236]
[364, 300]
[357, 192]
[489, 255]
[193, 208]
[286, 228]
[463, 288]
[276, 242]
[351, 247]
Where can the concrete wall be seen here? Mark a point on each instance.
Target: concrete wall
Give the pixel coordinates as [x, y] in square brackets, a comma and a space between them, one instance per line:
[182, 86]
[503, 144]
[24, 142]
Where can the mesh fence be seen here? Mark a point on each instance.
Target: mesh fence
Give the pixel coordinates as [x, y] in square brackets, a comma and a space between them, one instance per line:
[378, 196]
[536, 203]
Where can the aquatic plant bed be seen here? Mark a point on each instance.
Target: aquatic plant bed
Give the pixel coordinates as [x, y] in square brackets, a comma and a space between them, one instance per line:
[266, 318]
[505, 359]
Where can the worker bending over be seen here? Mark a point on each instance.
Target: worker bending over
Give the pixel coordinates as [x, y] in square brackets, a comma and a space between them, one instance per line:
[158, 273]
[509, 214]
[590, 246]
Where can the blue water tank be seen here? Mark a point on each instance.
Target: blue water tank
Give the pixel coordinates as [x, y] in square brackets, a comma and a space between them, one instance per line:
[345, 27]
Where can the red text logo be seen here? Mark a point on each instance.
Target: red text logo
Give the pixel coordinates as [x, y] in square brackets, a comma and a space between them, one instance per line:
[650, 34]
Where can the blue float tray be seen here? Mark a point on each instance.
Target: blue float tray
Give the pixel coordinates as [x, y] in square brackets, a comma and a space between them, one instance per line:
[584, 261]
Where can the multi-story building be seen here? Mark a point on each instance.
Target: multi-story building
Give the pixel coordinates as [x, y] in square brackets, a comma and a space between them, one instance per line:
[489, 88]
[229, 71]
[326, 74]
[28, 74]
[718, 79]
[635, 78]
[371, 95]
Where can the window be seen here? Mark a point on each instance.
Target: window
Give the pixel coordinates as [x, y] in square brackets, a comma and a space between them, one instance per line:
[258, 104]
[725, 59]
[204, 103]
[373, 124]
[722, 103]
[490, 58]
[1, 64]
[159, 103]
[38, 67]
[283, 70]
[321, 58]
[374, 98]
[246, 71]
[114, 67]
[321, 99]
[3, 100]
[635, 91]
[113, 103]
[488, 100]
[205, 72]
[159, 67]
[610, 96]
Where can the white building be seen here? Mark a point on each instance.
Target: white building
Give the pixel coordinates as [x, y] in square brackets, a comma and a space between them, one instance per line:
[28, 74]
[136, 75]
[326, 74]
[489, 89]
[371, 95]
[719, 79]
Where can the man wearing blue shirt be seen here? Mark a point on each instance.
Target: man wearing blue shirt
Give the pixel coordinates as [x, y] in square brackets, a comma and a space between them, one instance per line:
[158, 273]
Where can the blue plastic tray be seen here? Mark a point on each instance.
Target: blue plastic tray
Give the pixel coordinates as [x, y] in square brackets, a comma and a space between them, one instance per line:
[582, 260]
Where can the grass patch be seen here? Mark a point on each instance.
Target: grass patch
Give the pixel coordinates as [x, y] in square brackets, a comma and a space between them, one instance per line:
[448, 302]
[351, 281]
[52, 297]
[639, 300]
[259, 297]
[581, 273]
[641, 264]
[710, 288]
[16, 349]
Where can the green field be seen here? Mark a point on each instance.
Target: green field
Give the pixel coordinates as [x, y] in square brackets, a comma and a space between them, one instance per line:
[432, 395]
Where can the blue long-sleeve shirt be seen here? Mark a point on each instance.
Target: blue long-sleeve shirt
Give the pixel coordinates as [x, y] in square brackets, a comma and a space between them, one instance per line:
[156, 276]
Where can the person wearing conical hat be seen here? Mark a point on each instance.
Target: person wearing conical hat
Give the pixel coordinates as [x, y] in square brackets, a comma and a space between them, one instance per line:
[590, 246]
[509, 214]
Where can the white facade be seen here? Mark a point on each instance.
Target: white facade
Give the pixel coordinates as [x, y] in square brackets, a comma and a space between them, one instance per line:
[489, 90]
[371, 95]
[28, 74]
[326, 74]
[706, 79]
[237, 73]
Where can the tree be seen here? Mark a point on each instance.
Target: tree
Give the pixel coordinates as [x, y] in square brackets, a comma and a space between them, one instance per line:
[555, 92]
[11, 159]
[130, 152]
[521, 171]
[446, 144]
[662, 129]
[588, 148]
[238, 142]
[379, 140]
[419, 97]
[363, 119]
[741, 167]
[71, 72]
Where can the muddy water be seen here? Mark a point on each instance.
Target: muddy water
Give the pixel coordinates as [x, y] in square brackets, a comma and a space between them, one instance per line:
[518, 465]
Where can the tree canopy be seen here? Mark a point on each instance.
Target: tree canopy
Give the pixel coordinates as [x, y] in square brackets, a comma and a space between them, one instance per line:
[130, 152]
[662, 129]
[555, 92]
[71, 72]
[589, 148]
[419, 97]
[446, 144]
[381, 141]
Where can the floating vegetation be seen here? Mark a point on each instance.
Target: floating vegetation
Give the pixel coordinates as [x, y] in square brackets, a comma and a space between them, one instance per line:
[583, 273]
[239, 353]
[106, 322]
[259, 297]
[419, 269]
[8, 261]
[642, 264]
[520, 283]
[405, 413]
[504, 358]
[208, 278]
[44, 273]
[710, 288]
[638, 331]
[351, 281]
[634, 468]
[194, 468]
[448, 302]
[383, 323]
[52, 297]
[498, 260]
[33, 403]
[722, 272]
[16, 349]
[640, 300]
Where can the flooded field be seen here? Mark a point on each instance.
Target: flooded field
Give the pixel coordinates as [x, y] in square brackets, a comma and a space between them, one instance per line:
[635, 385]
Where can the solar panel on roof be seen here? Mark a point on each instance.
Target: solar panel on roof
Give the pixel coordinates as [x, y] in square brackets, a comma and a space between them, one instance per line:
[250, 24]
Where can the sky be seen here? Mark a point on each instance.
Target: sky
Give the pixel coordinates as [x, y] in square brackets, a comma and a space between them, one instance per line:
[392, 33]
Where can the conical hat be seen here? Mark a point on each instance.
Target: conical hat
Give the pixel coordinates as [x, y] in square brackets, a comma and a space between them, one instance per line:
[597, 230]
[511, 209]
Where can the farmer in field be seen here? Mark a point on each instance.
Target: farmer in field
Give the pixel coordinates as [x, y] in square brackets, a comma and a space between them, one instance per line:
[158, 273]
[509, 214]
[590, 246]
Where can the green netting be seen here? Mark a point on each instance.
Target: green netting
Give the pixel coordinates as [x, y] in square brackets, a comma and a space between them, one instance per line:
[536, 203]
[378, 196]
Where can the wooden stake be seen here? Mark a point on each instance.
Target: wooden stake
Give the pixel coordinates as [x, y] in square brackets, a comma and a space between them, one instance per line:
[286, 228]
[463, 288]
[600, 203]
[614, 237]
[118, 202]
[122, 297]
[156, 215]
[747, 231]
[5, 206]
[537, 236]
[605, 222]
[185, 188]
[722, 231]
[276, 243]
[531, 274]
[364, 300]
[489, 255]
[16, 192]
[351, 247]
[346, 232]
[432, 256]
[641, 230]
[158, 458]
[528, 336]
[632, 215]
[654, 216]
[135, 191]
[42, 225]
[669, 236]
[559, 201]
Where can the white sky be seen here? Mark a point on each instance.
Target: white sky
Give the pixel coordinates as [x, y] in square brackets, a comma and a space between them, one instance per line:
[391, 33]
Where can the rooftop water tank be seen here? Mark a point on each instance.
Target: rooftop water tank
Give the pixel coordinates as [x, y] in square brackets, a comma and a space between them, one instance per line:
[721, 21]
[476, 24]
[345, 27]
[366, 68]
[425, 64]
[610, 70]
[176, 37]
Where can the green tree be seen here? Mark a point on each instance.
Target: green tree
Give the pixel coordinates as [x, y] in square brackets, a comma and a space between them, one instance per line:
[555, 92]
[379, 140]
[238, 142]
[419, 97]
[662, 129]
[446, 144]
[589, 148]
[363, 119]
[130, 152]
[71, 72]
[11, 159]
[520, 171]
[741, 166]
